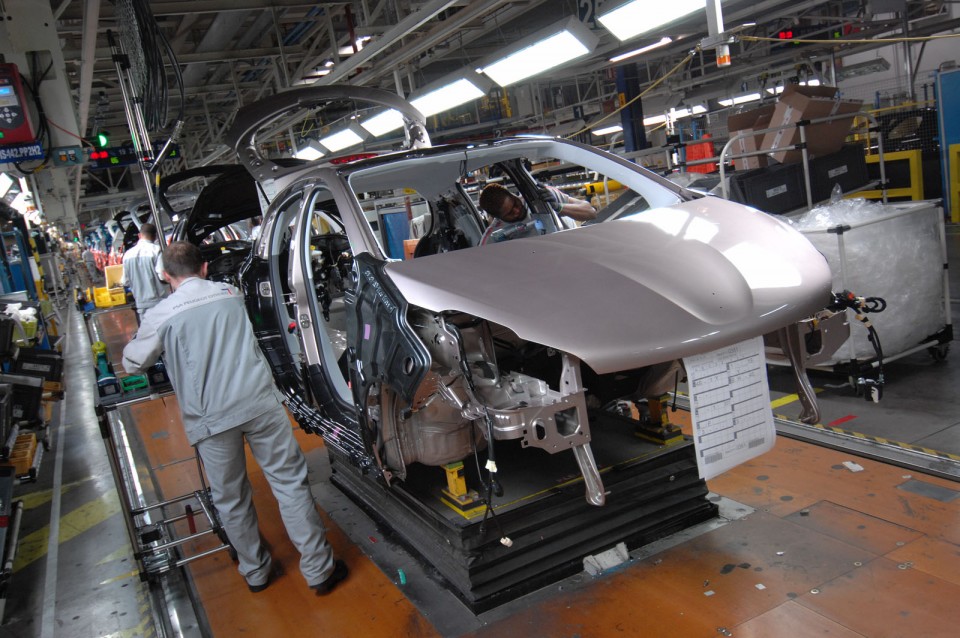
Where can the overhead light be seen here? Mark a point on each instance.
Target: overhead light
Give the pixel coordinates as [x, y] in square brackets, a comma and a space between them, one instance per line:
[635, 17]
[310, 151]
[383, 123]
[5, 183]
[348, 49]
[862, 68]
[544, 50]
[777, 90]
[740, 99]
[345, 138]
[314, 75]
[450, 92]
[674, 114]
[665, 40]
[607, 130]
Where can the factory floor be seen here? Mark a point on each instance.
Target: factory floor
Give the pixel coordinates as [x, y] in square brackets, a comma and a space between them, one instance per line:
[811, 540]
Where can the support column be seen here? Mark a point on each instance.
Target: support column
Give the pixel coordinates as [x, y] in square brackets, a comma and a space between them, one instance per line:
[631, 118]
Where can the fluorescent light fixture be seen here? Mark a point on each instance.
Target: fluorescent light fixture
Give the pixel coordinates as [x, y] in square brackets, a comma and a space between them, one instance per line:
[665, 40]
[438, 96]
[383, 123]
[313, 76]
[777, 90]
[674, 114]
[607, 130]
[740, 99]
[464, 87]
[636, 17]
[309, 151]
[544, 50]
[345, 138]
[348, 49]
[5, 183]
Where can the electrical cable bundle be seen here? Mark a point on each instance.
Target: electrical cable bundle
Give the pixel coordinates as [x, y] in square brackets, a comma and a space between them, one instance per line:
[146, 45]
[863, 306]
[43, 130]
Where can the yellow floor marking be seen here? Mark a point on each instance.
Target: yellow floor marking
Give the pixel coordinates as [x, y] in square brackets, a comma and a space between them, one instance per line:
[34, 546]
[134, 574]
[36, 499]
[123, 552]
[143, 630]
[790, 398]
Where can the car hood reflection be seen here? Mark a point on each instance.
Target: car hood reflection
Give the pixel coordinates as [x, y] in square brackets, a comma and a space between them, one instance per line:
[660, 285]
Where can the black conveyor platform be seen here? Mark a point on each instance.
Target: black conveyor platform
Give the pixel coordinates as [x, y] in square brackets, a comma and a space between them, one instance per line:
[652, 491]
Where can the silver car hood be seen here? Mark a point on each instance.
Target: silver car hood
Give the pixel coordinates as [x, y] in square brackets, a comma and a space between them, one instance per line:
[660, 285]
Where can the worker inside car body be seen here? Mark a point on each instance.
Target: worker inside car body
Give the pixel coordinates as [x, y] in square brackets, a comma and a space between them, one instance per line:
[511, 216]
[207, 339]
[138, 271]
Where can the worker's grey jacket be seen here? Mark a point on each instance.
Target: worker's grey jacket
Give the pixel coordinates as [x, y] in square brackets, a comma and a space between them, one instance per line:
[211, 355]
[139, 275]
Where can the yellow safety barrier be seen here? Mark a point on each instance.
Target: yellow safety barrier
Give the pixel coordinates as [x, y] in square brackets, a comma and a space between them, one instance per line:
[914, 190]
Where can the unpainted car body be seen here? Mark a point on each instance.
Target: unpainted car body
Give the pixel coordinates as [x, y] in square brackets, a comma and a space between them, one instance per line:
[431, 359]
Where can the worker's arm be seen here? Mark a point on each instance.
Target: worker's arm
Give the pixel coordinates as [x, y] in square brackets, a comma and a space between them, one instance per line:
[144, 350]
[578, 209]
[567, 206]
[158, 268]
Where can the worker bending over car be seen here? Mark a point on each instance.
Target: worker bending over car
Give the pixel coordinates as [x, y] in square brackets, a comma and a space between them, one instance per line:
[227, 395]
[511, 216]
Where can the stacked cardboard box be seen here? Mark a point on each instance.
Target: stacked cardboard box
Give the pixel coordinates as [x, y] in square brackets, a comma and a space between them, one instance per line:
[796, 103]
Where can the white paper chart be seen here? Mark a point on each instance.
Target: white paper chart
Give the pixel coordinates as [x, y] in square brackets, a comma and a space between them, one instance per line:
[730, 406]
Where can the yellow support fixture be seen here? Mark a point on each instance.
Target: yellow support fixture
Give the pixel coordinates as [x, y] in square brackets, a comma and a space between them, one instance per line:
[595, 188]
[456, 492]
[915, 164]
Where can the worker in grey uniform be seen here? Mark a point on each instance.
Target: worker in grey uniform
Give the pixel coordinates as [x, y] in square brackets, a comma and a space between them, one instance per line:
[90, 261]
[227, 395]
[139, 274]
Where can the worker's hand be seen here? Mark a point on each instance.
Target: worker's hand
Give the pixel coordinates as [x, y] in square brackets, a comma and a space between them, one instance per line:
[547, 195]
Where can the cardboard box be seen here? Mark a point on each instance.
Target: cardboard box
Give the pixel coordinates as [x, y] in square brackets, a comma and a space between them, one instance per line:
[809, 103]
[113, 275]
[747, 122]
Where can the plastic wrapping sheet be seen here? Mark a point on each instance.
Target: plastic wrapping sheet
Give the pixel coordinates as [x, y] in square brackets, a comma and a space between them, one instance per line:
[892, 251]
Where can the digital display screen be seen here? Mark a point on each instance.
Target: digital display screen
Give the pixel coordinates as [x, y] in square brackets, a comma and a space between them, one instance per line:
[6, 90]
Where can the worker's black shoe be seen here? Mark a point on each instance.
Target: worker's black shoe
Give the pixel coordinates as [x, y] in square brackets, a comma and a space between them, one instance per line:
[276, 570]
[340, 572]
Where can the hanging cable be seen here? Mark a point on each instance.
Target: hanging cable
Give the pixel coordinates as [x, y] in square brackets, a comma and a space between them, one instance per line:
[872, 388]
[43, 131]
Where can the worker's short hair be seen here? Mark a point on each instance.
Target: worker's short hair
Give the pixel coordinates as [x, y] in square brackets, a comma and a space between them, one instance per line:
[492, 198]
[182, 259]
[149, 231]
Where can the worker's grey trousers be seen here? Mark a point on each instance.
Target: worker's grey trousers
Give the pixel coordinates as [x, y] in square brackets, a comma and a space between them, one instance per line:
[271, 441]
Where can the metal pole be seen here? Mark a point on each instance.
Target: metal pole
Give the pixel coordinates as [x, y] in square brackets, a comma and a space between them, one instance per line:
[806, 163]
[137, 128]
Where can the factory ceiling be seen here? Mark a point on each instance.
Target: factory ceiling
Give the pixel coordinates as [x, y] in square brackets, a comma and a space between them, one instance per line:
[233, 52]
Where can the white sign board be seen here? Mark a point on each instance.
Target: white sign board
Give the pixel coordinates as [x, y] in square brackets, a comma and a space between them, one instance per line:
[730, 406]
